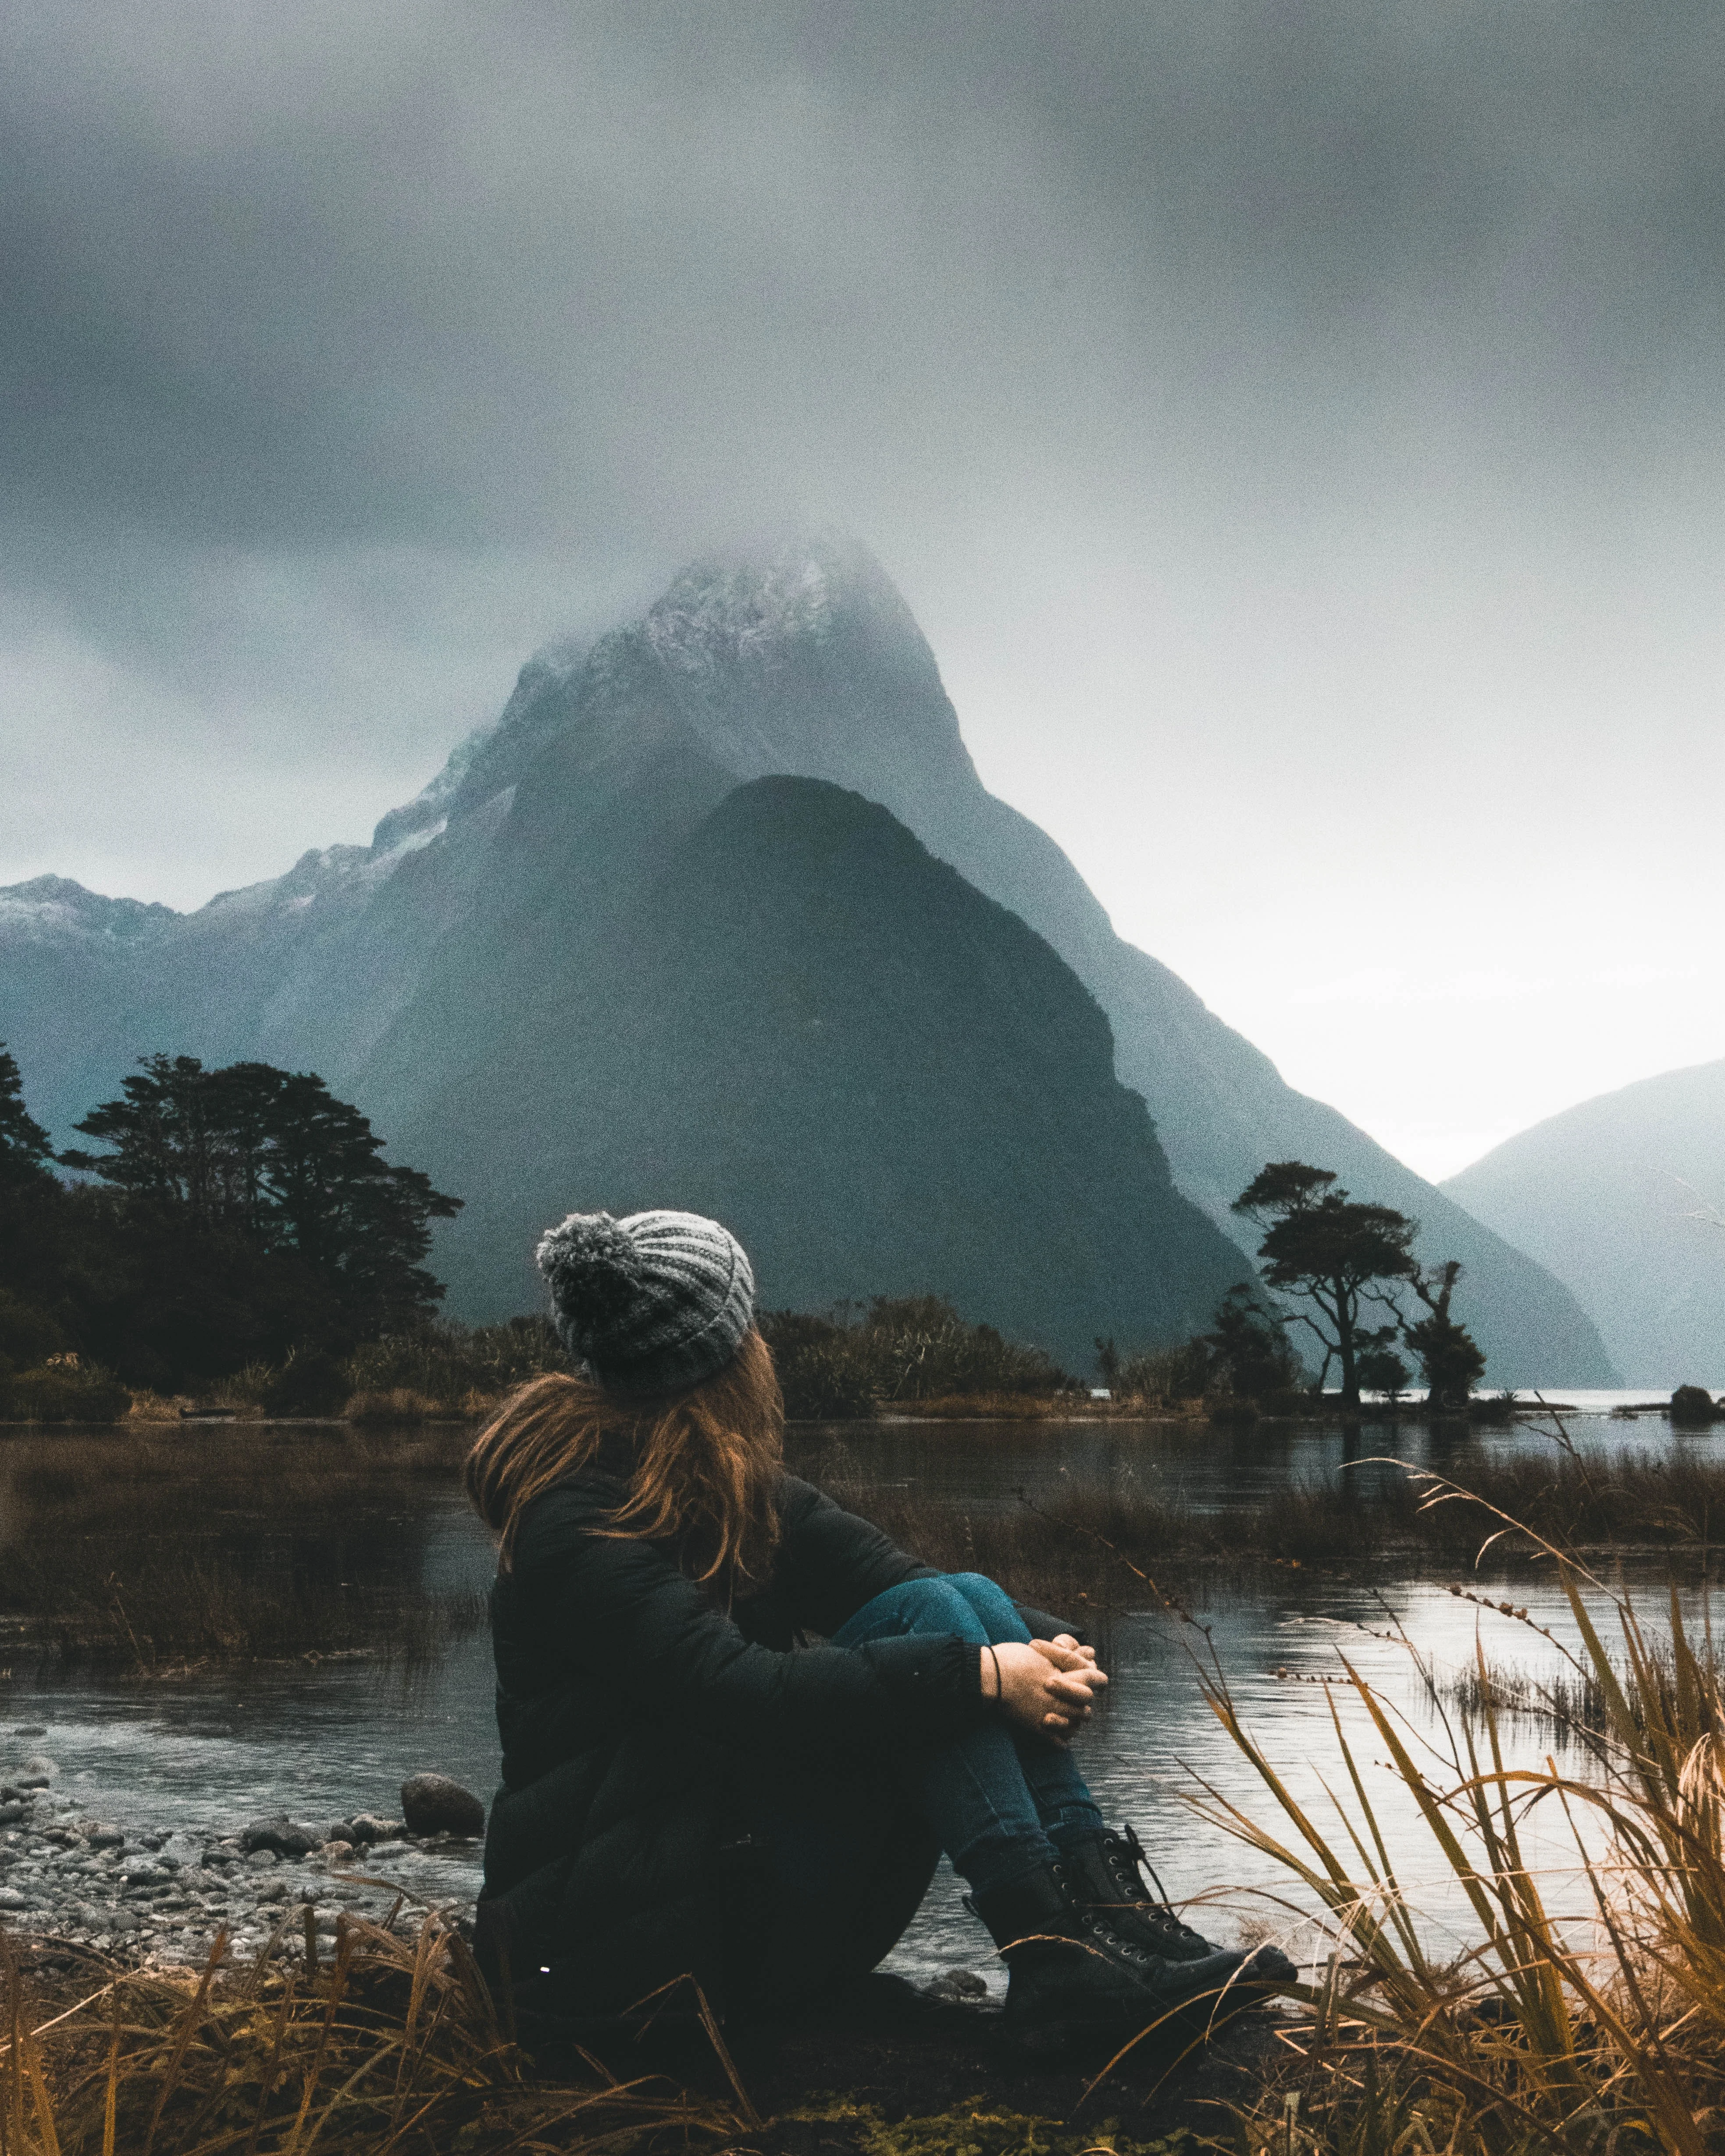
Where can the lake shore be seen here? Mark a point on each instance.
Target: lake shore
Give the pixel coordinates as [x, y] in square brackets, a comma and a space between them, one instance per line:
[162, 1893]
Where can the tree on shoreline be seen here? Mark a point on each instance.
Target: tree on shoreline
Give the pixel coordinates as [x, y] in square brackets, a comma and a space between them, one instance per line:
[1337, 1256]
[251, 1217]
[1449, 1358]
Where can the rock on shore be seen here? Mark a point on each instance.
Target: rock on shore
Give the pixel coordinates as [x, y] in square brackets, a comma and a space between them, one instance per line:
[432, 1804]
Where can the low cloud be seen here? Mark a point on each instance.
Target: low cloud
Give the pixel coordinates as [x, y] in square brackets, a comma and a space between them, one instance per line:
[1235, 391]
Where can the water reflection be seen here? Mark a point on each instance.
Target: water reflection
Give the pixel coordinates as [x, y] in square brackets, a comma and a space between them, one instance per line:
[1211, 1472]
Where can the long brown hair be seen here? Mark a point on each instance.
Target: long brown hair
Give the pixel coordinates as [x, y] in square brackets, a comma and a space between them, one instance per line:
[702, 1466]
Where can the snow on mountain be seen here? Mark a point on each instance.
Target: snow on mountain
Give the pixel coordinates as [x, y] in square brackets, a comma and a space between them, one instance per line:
[51, 908]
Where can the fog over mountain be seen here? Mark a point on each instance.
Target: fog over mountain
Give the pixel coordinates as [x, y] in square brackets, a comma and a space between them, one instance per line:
[434, 965]
[1624, 1199]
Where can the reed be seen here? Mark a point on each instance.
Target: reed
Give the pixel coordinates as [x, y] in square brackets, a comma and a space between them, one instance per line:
[163, 1613]
[1552, 2031]
[1370, 1520]
[376, 2043]
[1571, 1706]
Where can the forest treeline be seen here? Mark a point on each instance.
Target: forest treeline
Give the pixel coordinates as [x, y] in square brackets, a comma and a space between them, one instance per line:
[237, 1218]
[237, 1236]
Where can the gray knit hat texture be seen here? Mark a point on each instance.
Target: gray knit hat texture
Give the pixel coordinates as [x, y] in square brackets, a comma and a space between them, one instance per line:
[650, 1303]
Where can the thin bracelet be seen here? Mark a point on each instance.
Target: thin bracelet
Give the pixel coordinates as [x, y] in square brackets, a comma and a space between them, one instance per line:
[999, 1693]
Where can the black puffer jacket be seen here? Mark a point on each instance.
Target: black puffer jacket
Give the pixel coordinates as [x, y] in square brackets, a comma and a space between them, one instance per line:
[632, 1709]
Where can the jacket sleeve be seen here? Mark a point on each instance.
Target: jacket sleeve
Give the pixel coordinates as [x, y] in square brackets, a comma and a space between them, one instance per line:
[830, 1562]
[672, 1655]
[1045, 1627]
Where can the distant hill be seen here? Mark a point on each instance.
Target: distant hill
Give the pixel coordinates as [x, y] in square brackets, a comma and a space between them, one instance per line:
[1603, 1194]
[799, 1020]
[802, 663]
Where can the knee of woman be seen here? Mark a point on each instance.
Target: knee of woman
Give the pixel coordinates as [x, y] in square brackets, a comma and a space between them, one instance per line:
[985, 1596]
[940, 1605]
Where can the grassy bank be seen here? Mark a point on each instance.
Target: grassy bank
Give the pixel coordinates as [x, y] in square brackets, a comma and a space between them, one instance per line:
[379, 2043]
[163, 1546]
[160, 1548]
[1082, 1544]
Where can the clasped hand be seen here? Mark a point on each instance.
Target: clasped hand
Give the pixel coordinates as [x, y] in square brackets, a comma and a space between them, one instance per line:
[1048, 1685]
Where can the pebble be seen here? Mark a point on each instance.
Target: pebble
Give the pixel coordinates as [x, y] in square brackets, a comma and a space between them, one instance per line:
[368, 1827]
[279, 1833]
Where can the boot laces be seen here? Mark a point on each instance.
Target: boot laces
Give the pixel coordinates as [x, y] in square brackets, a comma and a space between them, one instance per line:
[1129, 1860]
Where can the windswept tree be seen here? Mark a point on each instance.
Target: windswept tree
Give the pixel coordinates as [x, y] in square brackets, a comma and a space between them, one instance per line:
[1449, 1358]
[260, 1215]
[1341, 1259]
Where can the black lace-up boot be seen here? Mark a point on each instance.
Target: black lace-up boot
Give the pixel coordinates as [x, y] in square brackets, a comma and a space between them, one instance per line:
[1076, 1980]
[1108, 1874]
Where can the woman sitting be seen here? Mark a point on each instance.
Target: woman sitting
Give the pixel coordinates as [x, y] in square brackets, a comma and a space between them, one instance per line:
[740, 1726]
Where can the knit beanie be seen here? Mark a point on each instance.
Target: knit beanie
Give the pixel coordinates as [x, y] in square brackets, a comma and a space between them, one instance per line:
[652, 1303]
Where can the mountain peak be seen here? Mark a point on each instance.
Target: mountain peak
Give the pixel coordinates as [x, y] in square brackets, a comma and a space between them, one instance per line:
[750, 606]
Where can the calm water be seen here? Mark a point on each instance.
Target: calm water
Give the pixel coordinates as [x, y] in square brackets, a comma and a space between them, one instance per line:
[321, 1741]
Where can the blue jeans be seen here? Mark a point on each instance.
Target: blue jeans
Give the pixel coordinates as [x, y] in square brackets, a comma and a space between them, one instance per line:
[846, 1857]
[998, 1799]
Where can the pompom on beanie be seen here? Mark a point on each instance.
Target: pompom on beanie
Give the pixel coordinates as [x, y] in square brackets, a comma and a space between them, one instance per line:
[652, 1303]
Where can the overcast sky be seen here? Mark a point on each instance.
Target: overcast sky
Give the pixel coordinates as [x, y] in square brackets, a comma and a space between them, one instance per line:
[1298, 428]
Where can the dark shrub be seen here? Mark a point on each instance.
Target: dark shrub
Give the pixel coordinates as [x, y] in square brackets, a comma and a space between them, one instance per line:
[1381, 1370]
[29, 1336]
[1690, 1406]
[443, 1362]
[308, 1383]
[63, 1391]
[1249, 1348]
[1184, 1373]
[904, 1348]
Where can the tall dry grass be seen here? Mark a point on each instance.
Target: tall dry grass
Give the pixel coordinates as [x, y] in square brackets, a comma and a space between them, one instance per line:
[1604, 2033]
[382, 2045]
